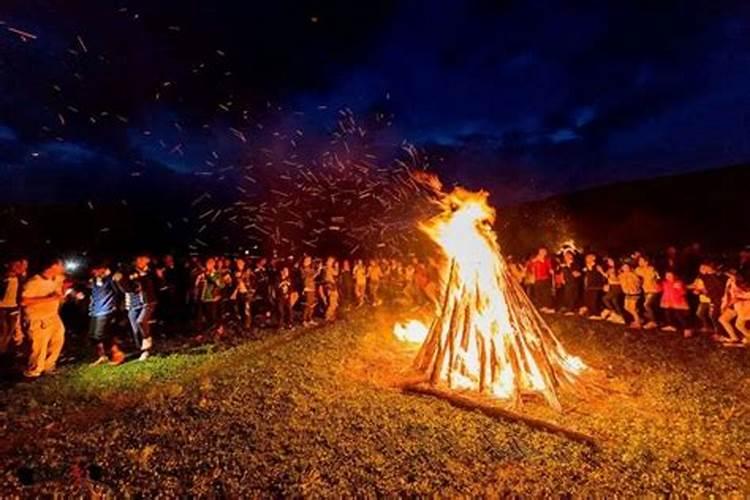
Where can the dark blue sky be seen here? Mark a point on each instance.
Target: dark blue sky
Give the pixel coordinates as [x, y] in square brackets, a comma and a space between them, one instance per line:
[525, 98]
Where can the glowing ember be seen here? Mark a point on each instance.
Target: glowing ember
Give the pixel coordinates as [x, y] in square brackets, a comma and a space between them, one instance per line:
[412, 331]
[486, 335]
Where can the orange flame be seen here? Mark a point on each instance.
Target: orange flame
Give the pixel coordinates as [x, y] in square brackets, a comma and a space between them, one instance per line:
[486, 336]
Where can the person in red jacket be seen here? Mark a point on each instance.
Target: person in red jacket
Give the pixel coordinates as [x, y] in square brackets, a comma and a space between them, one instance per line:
[540, 267]
[674, 304]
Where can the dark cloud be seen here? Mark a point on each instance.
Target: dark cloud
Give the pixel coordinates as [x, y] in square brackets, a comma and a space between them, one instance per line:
[529, 98]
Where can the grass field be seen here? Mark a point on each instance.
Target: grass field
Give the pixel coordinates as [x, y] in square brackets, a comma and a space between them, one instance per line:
[314, 412]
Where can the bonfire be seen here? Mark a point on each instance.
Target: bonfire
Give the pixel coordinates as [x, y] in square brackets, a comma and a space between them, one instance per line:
[486, 335]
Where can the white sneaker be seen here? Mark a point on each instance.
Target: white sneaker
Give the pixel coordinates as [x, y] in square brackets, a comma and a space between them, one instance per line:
[606, 313]
[144, 356]
[147, 344]
[669, 328]
[650, 325]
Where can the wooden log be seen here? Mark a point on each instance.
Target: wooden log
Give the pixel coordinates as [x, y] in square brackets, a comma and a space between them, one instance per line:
[466, 403]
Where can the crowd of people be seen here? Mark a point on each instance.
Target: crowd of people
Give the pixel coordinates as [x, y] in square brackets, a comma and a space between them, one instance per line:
[122, 306]
[216, 296]
[680, 291]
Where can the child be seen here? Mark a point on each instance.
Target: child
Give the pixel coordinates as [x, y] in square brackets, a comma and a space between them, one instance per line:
[675, 305]
[650, 283]
[631, 287]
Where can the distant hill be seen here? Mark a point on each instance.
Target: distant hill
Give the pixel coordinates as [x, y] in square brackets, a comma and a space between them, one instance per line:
[711, 207]
[115, 212]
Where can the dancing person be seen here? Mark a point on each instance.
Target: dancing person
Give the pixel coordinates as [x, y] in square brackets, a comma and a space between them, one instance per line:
[542, 288]
[209, 284]
[286, 297]
[594, 280]
[374, 275]
[650, 284]
[11, 335]
[140, 301]
[41, 298]
[347, 283]
[309, 286]
[570, 284]
[674, 304]
[709, 286]
[330, 288]
[168, 293]
[613, 294]
[103, 315]
[360, 282]
[631, 288]
[735, 310]
[242, 293]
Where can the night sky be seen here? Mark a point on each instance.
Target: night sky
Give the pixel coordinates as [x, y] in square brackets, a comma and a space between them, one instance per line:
[525, 98]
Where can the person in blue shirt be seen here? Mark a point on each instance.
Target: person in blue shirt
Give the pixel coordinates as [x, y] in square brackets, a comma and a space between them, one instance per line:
[103, 305]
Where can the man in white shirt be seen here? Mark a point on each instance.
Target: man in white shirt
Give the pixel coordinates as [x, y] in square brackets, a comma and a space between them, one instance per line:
[41, 299]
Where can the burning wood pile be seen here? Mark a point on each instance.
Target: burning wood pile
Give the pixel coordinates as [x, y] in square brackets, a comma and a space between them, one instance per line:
[486, 335]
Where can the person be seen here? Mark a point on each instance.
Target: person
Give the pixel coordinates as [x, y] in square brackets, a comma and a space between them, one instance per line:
[286, 298]
[360, 282]
[709, 286]
[613, 294]
[631, 288]
[103, 315]
[41, 298]
[594, 280]
[309, 286]
[541, 290]
[347, 283]
[735, 308]
[674, 304]
[374, 275]
[650, 284]
[11, 335]
[242, 293]
[330, 289]
[169, 292]
[140, 301]
[209, 284]
[570, 284]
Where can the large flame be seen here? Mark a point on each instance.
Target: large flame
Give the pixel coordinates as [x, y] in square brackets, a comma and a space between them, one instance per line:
[486, 335]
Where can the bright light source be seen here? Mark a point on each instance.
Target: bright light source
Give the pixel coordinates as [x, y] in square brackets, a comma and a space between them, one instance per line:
[72, 265]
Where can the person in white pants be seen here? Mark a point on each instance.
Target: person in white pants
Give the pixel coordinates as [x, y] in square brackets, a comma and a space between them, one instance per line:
[41, 299]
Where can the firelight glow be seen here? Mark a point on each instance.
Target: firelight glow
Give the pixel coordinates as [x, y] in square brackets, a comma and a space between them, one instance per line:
[486, 335]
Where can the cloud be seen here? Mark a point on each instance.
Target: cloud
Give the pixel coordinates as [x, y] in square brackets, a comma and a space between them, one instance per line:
[68, 152]
[7, 134]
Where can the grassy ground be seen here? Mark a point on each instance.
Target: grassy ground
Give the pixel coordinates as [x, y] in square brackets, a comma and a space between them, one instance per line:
[314, 412]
